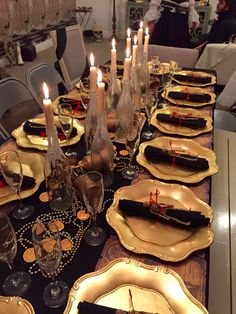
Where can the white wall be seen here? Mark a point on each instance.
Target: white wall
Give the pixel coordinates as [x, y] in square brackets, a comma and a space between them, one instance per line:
[101, 17]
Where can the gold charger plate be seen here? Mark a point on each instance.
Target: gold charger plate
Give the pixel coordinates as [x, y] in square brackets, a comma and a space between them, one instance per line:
[155, 289]
[41, 143]
[197, 74]
[78, 114]
[167, 171]
[165, 241]
[190, 90]
[15, 305]
[163, 69]
[33, 165]
[170, 128]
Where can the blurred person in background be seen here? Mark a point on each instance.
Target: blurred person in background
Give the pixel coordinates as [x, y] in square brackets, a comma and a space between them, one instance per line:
[170, 22]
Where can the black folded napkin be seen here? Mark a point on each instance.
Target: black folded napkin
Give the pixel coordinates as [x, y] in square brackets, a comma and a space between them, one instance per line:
[193, 78]
[76, 104]
[40, 129]
[190, 97]
[27, 182]
[166, 212]
[90, 308]
[156, 155]
[182, 120]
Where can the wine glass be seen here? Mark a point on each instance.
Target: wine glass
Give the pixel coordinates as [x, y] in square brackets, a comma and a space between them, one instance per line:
[132, 142]
[18, 282]
[13, 174]
[48, 252]
[167, 79]
[93, 194]
[65, 115]
[150, 105]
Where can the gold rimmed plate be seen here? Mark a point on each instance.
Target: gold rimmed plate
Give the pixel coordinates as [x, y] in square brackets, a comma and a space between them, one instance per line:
[189, 90]
[163, 69]
[79, 114]
[165, 241]
[41, 143]
[155, 289]
[32, 165]
[166, 171]
[170, 128]
[14, 305]
[193, 74]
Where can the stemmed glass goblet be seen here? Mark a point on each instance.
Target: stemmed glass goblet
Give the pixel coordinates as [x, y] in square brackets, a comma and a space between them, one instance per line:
[18, 282]
[13, 174]
[48, 252]
[93, 195]
[65, 115]
[132, 142]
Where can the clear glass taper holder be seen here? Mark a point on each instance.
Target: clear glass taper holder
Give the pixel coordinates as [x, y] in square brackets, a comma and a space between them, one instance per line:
[91, 120]
[135, 89]
[113, 92]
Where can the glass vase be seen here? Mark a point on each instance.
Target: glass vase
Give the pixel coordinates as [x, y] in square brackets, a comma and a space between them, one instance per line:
[135, 90]
[102, 153]
[113, 92]
[56, 169]
[124, 112]
[91, 120]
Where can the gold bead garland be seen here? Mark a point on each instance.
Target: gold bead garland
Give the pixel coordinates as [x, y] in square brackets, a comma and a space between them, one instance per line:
[67, 217]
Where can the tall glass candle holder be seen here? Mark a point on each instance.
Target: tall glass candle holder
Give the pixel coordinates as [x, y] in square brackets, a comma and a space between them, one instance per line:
[102, 153]
[56, 166]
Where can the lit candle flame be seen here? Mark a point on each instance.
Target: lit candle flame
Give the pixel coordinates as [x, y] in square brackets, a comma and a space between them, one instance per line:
[128, 32]
[141, 24]
[146, 31]
[135, 39]
[45, 90]
[127, 53]
[92, 59]
[113, 43]
[99, 80]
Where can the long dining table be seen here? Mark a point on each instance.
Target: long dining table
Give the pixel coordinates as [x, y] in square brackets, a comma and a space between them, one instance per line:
[82, 259]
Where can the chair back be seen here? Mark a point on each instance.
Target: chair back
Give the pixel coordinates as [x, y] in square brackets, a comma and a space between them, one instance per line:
[40, 73]
[221, 58]
[224, 120]
[73, 60]
[13, 91]
[185, 57]
[227, 98]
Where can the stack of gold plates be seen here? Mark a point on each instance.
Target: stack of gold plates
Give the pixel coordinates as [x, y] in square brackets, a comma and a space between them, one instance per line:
[154, 289]
[167, 171]
[197, 74]
[189, 90]
[170, 128]
[41, 143]
[165, 241]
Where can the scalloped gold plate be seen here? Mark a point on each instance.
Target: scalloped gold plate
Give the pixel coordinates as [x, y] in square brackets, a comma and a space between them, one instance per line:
[197, 74]
[33, 165]
[155, 289]
[15, 305]
[191, 90]
[170, 128]
[167, 171]
[78, 114]
[41, 143]
[165, 241]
